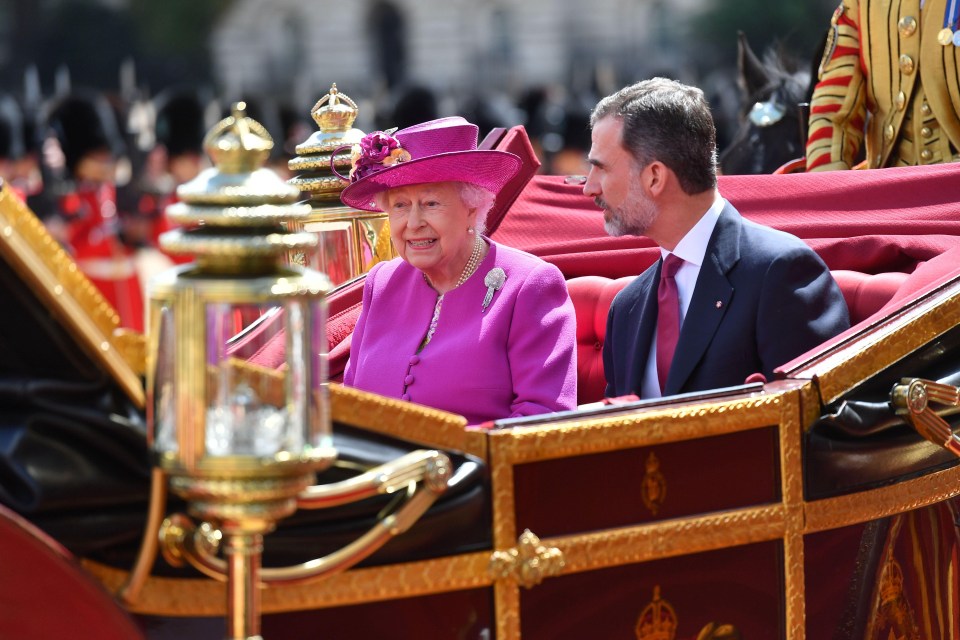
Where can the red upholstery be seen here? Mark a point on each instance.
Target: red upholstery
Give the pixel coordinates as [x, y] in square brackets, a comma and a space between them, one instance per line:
[864, 293]
[45, 594]
[591, 296]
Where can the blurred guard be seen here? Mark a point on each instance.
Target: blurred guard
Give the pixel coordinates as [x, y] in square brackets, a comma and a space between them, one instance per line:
[182, 121]
[80, 149]
[892, 68]
[11, 143]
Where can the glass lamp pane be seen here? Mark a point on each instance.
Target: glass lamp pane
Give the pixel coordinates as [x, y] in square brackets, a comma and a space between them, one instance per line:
[249, 412]
[316, 356]
[164, 394]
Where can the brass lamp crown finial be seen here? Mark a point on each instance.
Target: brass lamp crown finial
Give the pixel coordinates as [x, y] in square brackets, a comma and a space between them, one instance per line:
[335, 114]
[238, 144]
[338, 114]
[236, 215]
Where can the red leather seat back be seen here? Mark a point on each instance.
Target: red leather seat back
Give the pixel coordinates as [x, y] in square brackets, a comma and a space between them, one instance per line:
[864, 293]
[45, 594]
[591, 296]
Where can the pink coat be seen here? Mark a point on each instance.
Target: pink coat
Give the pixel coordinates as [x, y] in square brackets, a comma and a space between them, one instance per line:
[517, 358]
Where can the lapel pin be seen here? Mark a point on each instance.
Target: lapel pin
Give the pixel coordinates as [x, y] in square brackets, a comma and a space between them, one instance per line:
[719, 304]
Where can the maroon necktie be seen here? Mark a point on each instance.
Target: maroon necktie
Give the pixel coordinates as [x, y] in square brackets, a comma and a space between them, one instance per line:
[668, 316]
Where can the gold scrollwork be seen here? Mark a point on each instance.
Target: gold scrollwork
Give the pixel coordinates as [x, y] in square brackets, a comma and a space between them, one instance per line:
[654, 487]
[528, 563]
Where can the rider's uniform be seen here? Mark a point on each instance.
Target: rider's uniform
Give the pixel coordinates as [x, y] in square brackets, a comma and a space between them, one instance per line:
[886, 70]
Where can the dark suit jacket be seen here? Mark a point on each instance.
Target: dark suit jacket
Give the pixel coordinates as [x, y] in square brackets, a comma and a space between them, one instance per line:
[762, 298]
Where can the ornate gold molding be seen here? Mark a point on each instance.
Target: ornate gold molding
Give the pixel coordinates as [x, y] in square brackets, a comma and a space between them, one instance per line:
[205, 597]
[791, 473]
[863, 506]
[909, 329]
[400, 419]
[613, 547]
[645, 428]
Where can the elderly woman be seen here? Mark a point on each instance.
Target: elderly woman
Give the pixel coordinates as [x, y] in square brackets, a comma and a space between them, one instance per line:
[457, 322]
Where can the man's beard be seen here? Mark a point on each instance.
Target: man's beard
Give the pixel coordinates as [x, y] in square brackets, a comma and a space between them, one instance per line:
[633, 218]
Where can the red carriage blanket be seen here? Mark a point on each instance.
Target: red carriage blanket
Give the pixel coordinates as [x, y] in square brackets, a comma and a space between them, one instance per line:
[869, 221]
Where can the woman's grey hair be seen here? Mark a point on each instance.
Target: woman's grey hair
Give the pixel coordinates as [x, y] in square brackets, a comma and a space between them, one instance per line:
[472, 197]
[667, 121]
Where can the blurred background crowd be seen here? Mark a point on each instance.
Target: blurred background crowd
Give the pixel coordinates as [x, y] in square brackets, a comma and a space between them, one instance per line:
[104, 103]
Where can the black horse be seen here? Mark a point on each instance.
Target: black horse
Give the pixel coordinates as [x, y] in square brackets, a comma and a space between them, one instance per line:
[773, 117]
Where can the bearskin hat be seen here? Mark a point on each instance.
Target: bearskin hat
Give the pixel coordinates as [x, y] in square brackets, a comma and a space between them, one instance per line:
[83, 123]
[183, 119]
[12, 143]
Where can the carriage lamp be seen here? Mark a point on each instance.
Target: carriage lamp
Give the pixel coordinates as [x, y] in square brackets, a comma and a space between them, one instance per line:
[240, 446]
[239, 452]
[351, 241]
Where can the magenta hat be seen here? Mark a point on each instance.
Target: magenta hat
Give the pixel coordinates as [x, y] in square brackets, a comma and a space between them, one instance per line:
[443, 150]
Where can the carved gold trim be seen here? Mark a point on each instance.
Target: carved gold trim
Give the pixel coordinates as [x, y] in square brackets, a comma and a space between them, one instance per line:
[329, 185]
[506, 594]
[906, 495]
[507, 607]
[40, 261]
[791, 472]
[400, 419]
[669, 538]
[644, 428]
[319, 162]
[205, 597]
[840, 370]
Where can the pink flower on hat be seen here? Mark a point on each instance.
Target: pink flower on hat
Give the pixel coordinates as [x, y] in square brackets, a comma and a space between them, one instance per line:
[375, 152]
[442, 150]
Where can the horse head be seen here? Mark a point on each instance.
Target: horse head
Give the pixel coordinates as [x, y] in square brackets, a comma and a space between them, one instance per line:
[772, 127]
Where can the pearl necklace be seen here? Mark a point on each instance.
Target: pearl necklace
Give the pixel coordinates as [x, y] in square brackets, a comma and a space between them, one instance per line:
[472, 263]
[468, 269]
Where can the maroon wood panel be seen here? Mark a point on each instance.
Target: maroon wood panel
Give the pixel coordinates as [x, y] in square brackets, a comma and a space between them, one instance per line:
[604, 490]
[739, 586]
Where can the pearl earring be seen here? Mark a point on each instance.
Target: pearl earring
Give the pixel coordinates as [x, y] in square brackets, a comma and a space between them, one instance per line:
[470, 231]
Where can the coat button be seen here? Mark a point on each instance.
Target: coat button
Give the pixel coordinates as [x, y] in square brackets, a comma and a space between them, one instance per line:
[926, 132]
[414, 360]
[888, 132]
[925, 108]
[907, 26]
[901, 101]
[408, 380]
[926, 155]
[405, 397]
[906, 64]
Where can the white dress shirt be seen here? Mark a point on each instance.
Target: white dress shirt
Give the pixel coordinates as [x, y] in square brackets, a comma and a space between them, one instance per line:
[691, 249]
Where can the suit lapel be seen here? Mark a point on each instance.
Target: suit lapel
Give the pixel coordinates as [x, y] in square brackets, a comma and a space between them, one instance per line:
[643, 315]
[704, 313]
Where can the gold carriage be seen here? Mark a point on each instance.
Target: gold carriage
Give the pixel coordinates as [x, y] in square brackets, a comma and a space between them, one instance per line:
[817, 505]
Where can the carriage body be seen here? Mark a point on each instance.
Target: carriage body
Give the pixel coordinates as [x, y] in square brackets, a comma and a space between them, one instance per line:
[801, 507]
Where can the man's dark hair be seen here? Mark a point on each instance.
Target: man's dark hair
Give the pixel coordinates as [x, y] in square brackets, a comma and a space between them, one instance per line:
[670, 122]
